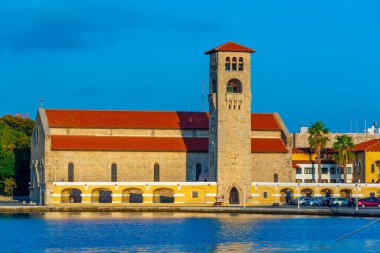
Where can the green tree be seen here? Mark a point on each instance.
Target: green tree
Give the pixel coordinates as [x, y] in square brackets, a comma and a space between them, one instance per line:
[9, 186]
[15, 135]
[318, 138]
[7, 163]
[343, 152]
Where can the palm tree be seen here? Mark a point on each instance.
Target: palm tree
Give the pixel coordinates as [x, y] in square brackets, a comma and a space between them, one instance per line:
[318, 137]
[343, 152]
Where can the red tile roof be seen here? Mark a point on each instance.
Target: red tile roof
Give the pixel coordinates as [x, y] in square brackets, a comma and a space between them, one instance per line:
[146, 120]
[268, 145]
[231, 47]
[371, 145]
[301, 150]
[127, 119]
[175, 144]
[264, 121]
[313, 162]
[307, 151]
[116, 143]
[294, 165]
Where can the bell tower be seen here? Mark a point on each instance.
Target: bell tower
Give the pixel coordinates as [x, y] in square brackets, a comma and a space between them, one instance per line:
[230, 122]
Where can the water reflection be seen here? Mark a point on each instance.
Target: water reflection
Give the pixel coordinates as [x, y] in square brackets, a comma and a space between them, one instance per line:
[182, 232]
[228, 218]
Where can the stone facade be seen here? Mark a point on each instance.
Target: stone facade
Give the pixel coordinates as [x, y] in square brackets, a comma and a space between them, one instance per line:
[300, 139]
[229, 164]
[265, 166]
[230, 115]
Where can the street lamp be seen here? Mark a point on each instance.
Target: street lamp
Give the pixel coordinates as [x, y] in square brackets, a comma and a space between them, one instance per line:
[356, 197]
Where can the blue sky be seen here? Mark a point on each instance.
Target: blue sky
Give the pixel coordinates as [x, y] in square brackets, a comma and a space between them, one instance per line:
[315, 60]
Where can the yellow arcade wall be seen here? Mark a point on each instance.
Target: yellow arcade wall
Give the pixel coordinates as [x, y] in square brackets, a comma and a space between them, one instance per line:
[262, 193]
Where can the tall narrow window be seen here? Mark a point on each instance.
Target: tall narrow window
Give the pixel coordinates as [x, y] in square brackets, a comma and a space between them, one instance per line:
[114, 172]
[234, 63]
[228, 64]
[36, 137]
[234, 86]
[275, 178]
[213, 86]
[240, 66]
[70, 172]
[156, 172]
[372, 168]
[198, 171]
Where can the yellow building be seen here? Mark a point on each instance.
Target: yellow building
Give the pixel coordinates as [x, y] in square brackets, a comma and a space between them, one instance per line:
[367, 161]
[305, 164]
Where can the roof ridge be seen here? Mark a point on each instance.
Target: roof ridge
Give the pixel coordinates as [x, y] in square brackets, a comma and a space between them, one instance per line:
[111, 110]
[231, 46]
[224, 44]
[158, 111]
[375, 143]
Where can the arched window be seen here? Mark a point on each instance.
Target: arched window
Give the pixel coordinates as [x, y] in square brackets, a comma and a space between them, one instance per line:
[275, 178]
[213, 86]
[198, 171]
[240, 66]
[228, 63]
[114, 172]
[70, 172]
[234, 86]
[156, 172]
[234, 63]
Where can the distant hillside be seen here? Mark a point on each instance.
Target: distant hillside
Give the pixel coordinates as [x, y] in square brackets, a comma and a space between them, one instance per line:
[15, 134]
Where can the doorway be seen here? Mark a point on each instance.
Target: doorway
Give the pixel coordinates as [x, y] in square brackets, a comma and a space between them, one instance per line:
[234, 196]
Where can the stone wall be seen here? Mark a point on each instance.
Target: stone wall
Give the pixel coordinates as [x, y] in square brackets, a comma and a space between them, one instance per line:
[95, 166]
[39, 143]
[233, 146]
[266, 134]
[265, 165]
[130, 132]
[300, 139]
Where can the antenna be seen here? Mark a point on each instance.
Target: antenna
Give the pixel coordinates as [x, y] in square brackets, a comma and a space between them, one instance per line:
[356, 125]
[351, 124]
[41, 102]
[203, 95]
[365, 121]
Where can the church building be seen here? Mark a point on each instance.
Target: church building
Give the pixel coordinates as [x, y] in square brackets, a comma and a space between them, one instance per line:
[164, 157]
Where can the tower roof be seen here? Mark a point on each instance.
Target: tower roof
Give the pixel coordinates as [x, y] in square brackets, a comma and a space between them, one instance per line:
[231, 47]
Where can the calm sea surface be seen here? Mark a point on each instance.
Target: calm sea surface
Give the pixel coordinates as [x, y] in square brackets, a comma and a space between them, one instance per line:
[176, 232]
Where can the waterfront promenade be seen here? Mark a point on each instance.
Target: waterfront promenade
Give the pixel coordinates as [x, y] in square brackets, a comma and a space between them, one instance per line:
[282, 210]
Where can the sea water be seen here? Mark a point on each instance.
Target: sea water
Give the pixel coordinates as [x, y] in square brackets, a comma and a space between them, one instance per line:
[184, 232]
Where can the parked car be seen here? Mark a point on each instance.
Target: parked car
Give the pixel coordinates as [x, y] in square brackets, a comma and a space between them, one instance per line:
[317, 201]
[370, 201]
[327, 201]
[304, 201]
[352, 202]
[340, 202]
